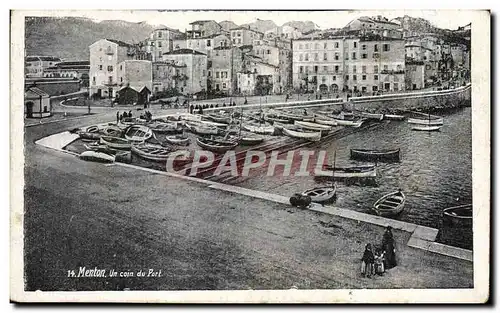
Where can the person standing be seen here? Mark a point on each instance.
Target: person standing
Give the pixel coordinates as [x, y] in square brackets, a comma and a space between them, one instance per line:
[367, 261]
[117, 117]
[388, 247]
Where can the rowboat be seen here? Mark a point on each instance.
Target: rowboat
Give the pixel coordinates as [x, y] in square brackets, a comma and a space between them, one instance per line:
[391, 204]
[427, 128]
[375, 154]
[295, 117]
[219, 118]
[324, 120]
[113, 131]
[300, 134]
[271, 119]
[163, 128]
[373, 116]
[179, 140]
[355, 124]
[152, 152]
[313, 126]
[460, 216]
[321, 194]
[250, 140]
[115, 142]
[345, 116]
[201, 129]
[133, 121]
[217, 146]
[96, 156]
[364, 171]
[208, 123]
[138, 133]
[93, 129]
[395, 117]
[431, 122]
[263, 130]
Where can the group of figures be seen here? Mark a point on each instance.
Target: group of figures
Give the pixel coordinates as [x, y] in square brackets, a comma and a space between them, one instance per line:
[377, 259]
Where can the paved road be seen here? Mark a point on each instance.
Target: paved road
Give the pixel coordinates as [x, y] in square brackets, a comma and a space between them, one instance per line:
[82, 214]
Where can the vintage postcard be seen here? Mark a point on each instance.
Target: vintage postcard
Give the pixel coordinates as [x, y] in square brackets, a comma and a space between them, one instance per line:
[250, 156]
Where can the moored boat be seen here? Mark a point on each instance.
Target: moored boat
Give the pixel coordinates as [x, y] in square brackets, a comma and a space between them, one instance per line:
[324, 120]
[138, 133]
[367, 115]
[113, 131]
[201, 129]
[259, 129]
[313, 126]
[422, 121]
[250, 140]
[115, 142]
[217, 146]
[97, 156]
[395, 117]
[391, 204]
[302, 134]
[349, 123]
[179, 140]
[364, 171]
[428, 128]
[321, 194]
[376, 154]
[151, 152]
[459, 216]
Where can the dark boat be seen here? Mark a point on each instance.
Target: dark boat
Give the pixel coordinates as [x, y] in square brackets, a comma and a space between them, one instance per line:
[459, 216]
[218, 146]
[376, 154]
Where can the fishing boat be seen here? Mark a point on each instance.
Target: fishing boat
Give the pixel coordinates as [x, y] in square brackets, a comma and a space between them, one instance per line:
[133, 121]
[115, 142]
[273, 119]
[321, 194]
[460, 216]
[201, 129]
[219, 118]
[324, 120]
[217, 146]
[166, 128]
[113, 131]
[138, 133]
[391, 204]
[152, 152]
[430, 120]
[428, 128]
[395, 117]
[208, 123]
[363, 171]
[354, 124]
[250, 140]
[372, 116]
[344, 115]
[312, 126]
[295, 117]
[259, 129]
[179, 140]
[302, 134]
[97, 156]
[93, 129]
[375, 154]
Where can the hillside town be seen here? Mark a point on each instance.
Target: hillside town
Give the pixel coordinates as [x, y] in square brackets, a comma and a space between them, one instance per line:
[370, 55]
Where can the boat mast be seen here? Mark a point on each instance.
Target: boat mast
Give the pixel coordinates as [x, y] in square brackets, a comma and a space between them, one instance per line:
[241, 122]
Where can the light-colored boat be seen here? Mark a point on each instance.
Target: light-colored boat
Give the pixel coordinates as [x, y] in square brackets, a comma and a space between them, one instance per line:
[395, 117]
[217, 146]
[349, 123]
[138, 133]
[301, 134]
[113, 131]
[324, 120]
[428, 128]
[422, 121]
[391, 204]
[165, 128]
[372, 116]
[272, 119]
[89, 136]
[202, 129]
[179, 140]
[312, 126]
[96, 156]
[259, 129]
[219, 118]
[367, 171]
[321, 194]
[151, 152]
[295, 117]
[115, 142]
[460, 216]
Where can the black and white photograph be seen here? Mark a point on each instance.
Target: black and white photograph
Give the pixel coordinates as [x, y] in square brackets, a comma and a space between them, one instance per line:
[250, 156]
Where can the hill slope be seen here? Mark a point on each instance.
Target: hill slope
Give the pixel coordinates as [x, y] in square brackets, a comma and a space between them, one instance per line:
[303, 26]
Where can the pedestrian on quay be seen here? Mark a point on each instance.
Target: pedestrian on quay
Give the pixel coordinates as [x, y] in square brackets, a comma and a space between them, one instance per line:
[201, 109]
[389, 249]
[379, 266]
[367, 261]
[286, 97]
[130, 113]
[117, 117]
[191, 108]
[246, 101]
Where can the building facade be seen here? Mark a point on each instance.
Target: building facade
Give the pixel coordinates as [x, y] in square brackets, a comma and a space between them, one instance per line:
[161, 41]
[135, 73]
[244, 36]
[166, 76]
[415, 75]
[195, 78]
[225, 63]
[36, 65]
[203, 28]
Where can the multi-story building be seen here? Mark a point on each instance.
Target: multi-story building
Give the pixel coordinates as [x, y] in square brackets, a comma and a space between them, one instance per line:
[36, 65]
[203, 28]
[415, 74]
[277, 53]
[105, 55]
[207, 44]
[195, 78]
[160, 41]
[265, 76]
[372, 23]
[244, 36]
[226, 62]
[283, 32]
[136, 74]
[318, 64]
[167, 76]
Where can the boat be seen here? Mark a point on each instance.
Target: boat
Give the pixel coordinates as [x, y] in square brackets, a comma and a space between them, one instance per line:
[355, 124]
[395, 117]
[363, 171]
[272, 119]
[86, 136]
[428, 128]
[324, 120]
[321, 194]
[391, 204]
[138, 133]
[312, 126]
[151, 152]
[133, 121]
[113, 131]
[179, 140]
[219, 118]
[163, 128]
[259, 129]
[115, 142]
[217, 146]
[372, 116]
[301, 134]
[328, 113]
[97, 156]
[201, 129]
[375, 154]
[93, 129]
[250, 140]
[431, 120]
[460, 216]
[294, 117]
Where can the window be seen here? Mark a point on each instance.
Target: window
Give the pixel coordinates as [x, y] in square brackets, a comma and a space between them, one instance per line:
[354, 55]
[396, 86]
[386, 47]
[374, 88]
[316, 46]
[355, 44]
[375, 68]
[336, 68]
[347, 56]
[159, 44]
[223, 85]
[334, 77]
[347, 77]
[323, 79]
[386, 67]
[354, 69]
[234, 41]
[300, 57]
[239, 40]
[375, 48]
[363, 69]
[325, 56]
[301, 69]
[239, 34]
[315, 57]
[110, 68]
[354, 77]
[93, 79]
[100, 67]
[363, 77]
[325, 45]
[216, 74]
[375, 77]
[364, 56]
[325, 69]
[121, 79]
[159, 54]
[307, 46]
[268, 51]
[363, 47]
[159, 34]
[315, 69]
[336, 45]
[203, 73]
[209, 43]
[307, 57]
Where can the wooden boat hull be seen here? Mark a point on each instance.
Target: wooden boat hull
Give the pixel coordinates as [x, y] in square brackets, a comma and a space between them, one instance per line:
[215, 146]
[152, 153]
[458, 216]
[426, 128]
[219, 119]
[202, 130]
[311, 136]
[329, 122]
[262, 130]
[96, 156]
[89, 136]
[372, 116]
[113, 131]
[115, 143]
[422, 121]
[391, 204]
[348, 123]
[177, 140]
[313, 126]
[138, 133]
[394, 117]
[251, 141]
[375, 155]
[320, 194]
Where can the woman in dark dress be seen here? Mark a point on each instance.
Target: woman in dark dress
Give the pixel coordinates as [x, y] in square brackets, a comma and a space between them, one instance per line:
[388, 246]
[367, 261]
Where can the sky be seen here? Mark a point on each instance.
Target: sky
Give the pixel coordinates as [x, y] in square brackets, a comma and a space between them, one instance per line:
[450, 19]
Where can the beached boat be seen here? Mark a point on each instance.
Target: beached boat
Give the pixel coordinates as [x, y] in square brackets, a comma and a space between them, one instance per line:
[97, 156]
[113, 131]
[391, 204]
[133, 121]
[395, 117]
[313, 126]
[425, 119]
[294, 117]
[375, 154]
[349, 123]
[273, 119]
[302, 134]
[201, 129]
[428, 128]
[329, 112]
[152, 152]
[324, 120]
[363, 171]
[250, 140]
[321, 194]
[460, 216]
[372, 116]
[219, 118]
[115, 142]
[259, 129]
[138, 133]
[217, 146]
[179, 140]
[166, 128]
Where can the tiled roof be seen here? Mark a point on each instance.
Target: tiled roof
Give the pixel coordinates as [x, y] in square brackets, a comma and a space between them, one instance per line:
[37, 91]
[120, 43]
[183, 51]
[42, 58]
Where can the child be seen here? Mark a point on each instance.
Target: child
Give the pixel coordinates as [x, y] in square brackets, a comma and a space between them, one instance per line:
[379, 262]
[367, 261]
